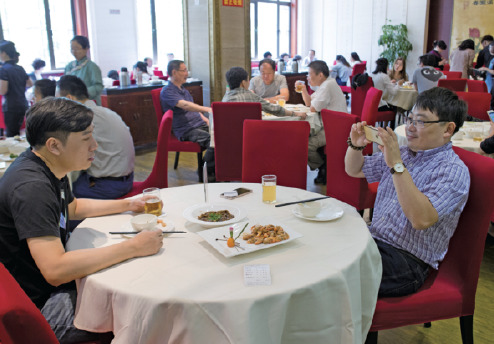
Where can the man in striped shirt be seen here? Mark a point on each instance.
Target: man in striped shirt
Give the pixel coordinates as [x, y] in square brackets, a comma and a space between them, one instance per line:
[422, 190]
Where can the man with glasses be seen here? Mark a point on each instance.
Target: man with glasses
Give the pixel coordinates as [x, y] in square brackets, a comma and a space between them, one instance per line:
[422, 189]
[189, 122]
[269, 85]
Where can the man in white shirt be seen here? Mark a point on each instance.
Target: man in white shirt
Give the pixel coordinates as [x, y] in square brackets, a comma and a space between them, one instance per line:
[269, 85]
[149, 65]
[111, 174]
[327, 95]
[309, 58]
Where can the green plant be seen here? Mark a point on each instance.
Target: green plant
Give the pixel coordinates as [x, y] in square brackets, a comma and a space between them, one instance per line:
[395, 41]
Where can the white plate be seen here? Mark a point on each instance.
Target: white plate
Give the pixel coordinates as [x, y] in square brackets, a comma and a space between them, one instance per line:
[127, 227]
[192, 213]
[6, 157]
[328, 212]
[211, 235]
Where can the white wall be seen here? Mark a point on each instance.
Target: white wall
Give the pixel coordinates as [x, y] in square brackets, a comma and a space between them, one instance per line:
[112, 37]
[334, 27]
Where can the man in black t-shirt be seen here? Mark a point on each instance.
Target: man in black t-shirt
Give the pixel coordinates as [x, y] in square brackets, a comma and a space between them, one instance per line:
[36, 204]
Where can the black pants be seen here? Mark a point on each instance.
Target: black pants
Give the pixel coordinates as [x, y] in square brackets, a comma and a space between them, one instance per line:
[202, 137]
[13, 122]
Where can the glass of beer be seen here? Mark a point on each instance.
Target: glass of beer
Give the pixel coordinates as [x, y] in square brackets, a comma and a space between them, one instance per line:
[281, 102]
[153, 204]
[269, 188]
[299, 86]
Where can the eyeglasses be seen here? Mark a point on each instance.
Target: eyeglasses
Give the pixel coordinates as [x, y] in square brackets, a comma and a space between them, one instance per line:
[266, 74]
[182, 70]
[419, 124]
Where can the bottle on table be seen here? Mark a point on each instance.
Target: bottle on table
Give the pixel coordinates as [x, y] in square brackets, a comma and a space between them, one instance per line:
[124, 77]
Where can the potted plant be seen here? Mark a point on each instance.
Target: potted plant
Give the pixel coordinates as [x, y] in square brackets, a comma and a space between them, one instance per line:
[395, 41]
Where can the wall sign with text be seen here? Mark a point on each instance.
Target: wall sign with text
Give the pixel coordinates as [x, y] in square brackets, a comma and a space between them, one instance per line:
[233, 3]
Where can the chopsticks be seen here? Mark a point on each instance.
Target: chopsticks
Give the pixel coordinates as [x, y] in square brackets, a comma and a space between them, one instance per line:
[304, 201]
[164, 232]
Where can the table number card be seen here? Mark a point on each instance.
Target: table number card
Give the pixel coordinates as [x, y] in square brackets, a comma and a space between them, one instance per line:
[259, 274]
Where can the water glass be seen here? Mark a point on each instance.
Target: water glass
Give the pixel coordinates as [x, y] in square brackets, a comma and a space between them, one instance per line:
[269, 188]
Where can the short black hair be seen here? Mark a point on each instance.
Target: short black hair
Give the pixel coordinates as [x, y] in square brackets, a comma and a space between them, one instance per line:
[319, 66]
[113, 74]
[269, 62]
[235, 76]
[55, 117]
[70, 84]
[8, 48]
[38, 64]
[427, 60]
[355, 56]
[46, 87]
[445, 104]
[487, 38]
[467, 44]
[173, 65]
[381, 66]
[82, 40]
[267, 53]
[441, 44]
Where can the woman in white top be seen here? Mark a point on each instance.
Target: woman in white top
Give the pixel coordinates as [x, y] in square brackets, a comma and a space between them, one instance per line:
[383, 82]
[354, 59]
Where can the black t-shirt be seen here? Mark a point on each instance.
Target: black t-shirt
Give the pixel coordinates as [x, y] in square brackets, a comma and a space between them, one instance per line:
[33, 203]
[14, 100]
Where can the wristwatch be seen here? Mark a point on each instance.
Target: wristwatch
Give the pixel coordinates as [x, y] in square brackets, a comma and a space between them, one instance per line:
[399, 167]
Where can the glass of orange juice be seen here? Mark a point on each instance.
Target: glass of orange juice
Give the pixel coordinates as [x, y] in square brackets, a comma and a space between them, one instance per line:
[299, 86]
[281, 102]
[153, 203]
[269, 188]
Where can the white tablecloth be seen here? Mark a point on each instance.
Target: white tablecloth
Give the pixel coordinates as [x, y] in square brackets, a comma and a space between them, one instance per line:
[404, 98]
[461, 141]
[324, 285]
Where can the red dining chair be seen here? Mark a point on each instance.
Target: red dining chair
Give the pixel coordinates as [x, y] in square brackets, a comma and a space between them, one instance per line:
[354, 191]
[358, 97]
[228, 120]
[476, 86]
[21, 321]
[159, 174]
[359, 68]
[446, 67]
[157, 72]
[266, 150]
[174, 144]
[456, 85]
[451, 75]
[370, 111]
[478, 104]
[450, 291]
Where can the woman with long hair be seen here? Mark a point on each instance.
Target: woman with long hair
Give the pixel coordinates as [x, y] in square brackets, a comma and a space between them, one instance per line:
[398, 73]
[383, 82]
[462, 58]
[13, 83]
[354, 59]
[341, 70]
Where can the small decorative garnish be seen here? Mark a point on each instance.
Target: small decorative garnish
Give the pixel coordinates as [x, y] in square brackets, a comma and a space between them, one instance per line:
[13, 156]
[231, 242]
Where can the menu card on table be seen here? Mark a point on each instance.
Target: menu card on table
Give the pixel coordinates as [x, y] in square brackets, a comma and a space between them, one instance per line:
[258, 274]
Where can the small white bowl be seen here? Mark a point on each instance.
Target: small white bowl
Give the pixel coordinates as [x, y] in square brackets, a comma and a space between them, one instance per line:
[144, 222]
[309, 209]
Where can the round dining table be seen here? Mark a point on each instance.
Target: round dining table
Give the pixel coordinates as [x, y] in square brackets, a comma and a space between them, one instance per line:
[404, 98]
[323, 287]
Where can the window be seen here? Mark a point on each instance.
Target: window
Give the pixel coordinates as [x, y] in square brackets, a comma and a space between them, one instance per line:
[40, 29]
[270, 27]
[160, 29]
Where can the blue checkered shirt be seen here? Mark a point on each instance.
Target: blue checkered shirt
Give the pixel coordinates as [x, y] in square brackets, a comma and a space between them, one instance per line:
[440, 175]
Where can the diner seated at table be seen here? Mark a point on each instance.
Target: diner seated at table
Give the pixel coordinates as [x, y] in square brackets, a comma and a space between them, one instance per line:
[44, 88]
[269, 85]
[311, 56]
[149, 65]
[425, 76]
[341, 70]
[111, 175]
[327, 95]
[383, 82]
[189, 121]
[142, 67]
[238, 81]
[36, 204]
[423, 188]
[398, 73]
[354, 59]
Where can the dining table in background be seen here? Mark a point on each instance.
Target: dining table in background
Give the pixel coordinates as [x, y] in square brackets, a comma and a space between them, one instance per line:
[404, 98]
[460, 139]
[323, 285]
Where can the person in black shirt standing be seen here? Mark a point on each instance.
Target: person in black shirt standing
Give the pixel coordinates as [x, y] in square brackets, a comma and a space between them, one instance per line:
[13, 83]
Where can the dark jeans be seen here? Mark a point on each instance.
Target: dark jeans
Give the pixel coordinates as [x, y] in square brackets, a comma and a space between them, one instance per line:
[87, 186]
[339, 82]
[201, 136]
[59, 311]
[13, 122]
[403, 273]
